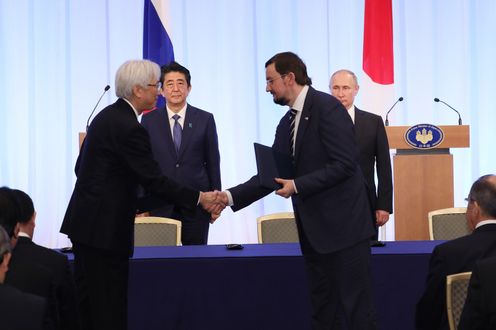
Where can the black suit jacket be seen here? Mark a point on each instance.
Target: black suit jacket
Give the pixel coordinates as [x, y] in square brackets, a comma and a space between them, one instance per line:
[331, 205]
[38, 280]
[374, 152]
[115, 157]
[479, 312]
[197, 165]
[455, 256]
[19, 310]
[28, 252]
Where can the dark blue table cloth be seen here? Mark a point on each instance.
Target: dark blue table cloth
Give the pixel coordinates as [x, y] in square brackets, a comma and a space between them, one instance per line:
[259, 287]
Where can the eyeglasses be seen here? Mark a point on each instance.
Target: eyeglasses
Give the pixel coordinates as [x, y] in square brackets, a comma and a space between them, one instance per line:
[469, 199]
[158, 85]
[270, 82]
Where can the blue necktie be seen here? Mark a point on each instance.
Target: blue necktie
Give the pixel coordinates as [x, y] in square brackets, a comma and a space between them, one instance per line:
[177, 132]
[292, 119]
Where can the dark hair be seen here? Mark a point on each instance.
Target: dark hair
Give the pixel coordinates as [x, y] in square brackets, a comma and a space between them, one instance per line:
[483, 192]
[9, 210]
[175, 67]
[290, 62]
[26, 205]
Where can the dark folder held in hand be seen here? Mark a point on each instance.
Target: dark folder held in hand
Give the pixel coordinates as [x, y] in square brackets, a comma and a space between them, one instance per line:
[272, 164]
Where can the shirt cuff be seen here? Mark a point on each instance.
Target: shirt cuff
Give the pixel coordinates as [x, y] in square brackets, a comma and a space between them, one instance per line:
[229, 198]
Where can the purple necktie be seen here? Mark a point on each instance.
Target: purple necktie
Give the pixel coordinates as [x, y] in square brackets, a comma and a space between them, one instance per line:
[177, 132]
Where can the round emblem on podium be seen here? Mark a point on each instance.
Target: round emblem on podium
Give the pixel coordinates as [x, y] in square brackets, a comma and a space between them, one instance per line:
[424, 136]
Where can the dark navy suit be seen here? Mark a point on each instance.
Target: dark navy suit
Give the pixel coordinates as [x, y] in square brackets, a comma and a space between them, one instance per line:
[58, 264]
[331, 207]
[374, 152]
[197, 165]
[479, 311]
[21, 311]
[455, 256]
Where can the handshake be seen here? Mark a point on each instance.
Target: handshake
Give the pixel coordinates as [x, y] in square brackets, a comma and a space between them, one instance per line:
[214, 202]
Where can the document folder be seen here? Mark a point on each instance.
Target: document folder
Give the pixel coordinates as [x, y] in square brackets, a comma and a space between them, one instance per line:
[272, 164]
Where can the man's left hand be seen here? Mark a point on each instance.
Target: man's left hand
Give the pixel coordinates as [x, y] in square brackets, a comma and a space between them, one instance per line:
[288, 187]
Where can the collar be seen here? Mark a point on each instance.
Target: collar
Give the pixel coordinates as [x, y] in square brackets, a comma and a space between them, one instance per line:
[300, 100]
[132, 107]
[23, 234]
[181, 112]
[485, 222]
[352, 112]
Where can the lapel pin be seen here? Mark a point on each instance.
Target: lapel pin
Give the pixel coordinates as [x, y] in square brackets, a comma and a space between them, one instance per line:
[306, 118]
[190, 125]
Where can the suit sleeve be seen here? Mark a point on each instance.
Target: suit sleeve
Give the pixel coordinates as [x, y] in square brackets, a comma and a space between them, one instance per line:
[337, 138]
[383, 163]
[136, 151]
[212, 155]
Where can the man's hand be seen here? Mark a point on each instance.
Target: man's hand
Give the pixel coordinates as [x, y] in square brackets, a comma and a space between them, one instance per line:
[381, 217]
[288, 187]
[212, 202]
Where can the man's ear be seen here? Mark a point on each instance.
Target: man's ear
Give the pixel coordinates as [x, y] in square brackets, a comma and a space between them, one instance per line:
[6, 259]
[33, 218]
[17, 229]
[137, 91]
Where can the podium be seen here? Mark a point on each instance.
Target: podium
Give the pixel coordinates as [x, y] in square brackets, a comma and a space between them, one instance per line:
[423, 179]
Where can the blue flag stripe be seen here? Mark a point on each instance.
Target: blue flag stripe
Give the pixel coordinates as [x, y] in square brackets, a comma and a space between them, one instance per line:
[157, 46]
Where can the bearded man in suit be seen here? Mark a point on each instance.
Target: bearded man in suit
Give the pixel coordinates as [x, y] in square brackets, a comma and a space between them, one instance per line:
[328, 194]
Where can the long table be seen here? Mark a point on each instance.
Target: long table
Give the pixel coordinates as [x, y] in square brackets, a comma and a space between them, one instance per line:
[259, 287]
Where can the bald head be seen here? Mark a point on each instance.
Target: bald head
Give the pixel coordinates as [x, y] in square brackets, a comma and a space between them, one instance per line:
[482, 200]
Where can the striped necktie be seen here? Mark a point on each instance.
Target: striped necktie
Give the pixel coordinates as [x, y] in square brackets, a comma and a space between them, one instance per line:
[292, 118]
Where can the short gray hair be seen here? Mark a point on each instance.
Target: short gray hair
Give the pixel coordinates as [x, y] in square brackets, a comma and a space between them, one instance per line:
[132, 73]
[351, 73]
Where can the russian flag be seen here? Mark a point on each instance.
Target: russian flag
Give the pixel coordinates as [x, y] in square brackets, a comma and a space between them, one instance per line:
[157, 44]
[377, 89]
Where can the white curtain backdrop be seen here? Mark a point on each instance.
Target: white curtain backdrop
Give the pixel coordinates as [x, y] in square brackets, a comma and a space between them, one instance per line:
[56, 56]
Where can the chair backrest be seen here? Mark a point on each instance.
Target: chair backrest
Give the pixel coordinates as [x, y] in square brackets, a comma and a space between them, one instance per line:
[447, 224]
[456, 294]
[156, 231]
[277, 228]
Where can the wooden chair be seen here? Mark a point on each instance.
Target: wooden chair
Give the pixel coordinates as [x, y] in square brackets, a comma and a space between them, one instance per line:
[456, 293]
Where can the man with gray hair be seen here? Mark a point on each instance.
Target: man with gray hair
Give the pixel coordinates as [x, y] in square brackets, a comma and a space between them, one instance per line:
[115, 158]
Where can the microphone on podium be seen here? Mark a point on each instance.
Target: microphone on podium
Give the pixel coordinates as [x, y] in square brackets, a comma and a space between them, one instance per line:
[459, 117]
[387, 120]
[98, 102]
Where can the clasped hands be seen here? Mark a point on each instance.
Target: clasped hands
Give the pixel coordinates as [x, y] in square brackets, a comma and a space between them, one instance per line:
[214, 202]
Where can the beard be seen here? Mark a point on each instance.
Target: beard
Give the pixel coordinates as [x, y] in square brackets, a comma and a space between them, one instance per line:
[281, 100]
